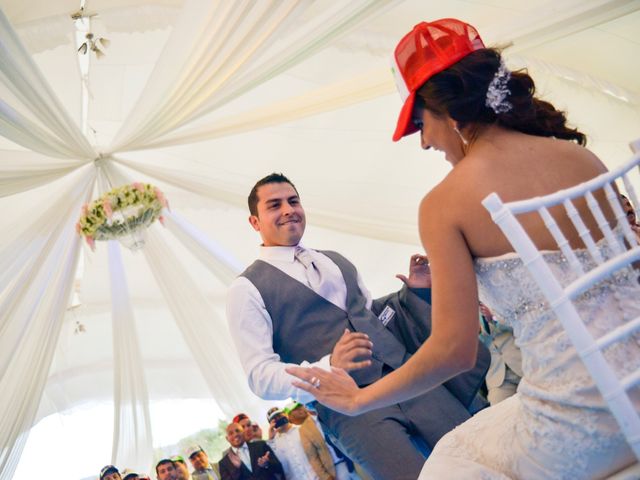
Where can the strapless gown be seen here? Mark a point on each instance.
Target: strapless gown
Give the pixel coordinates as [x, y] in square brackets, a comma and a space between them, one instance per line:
[557, 425]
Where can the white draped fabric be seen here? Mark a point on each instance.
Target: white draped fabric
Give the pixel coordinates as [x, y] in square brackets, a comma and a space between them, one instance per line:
[211, 58]
[31, 315]
[217, 54]
[204, 331]
[382, 229]
[30, 112]
[132, 440]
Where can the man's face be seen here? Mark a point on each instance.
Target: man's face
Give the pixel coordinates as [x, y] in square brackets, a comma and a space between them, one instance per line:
[281, 219]
[251, 431]
[182, 472]
[298, 415]
[235, 435]
[199, 460]
[112, 476]
[167, 471]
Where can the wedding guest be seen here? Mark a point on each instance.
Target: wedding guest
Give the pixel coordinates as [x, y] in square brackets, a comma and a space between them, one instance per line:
[203, 469]
[109, 472]
[630, 212]
[314, 438]
[499, 137]
[166, 470]
[246, 461]
[130, 475]
[182, 470]
[252, 430]
[287, 445]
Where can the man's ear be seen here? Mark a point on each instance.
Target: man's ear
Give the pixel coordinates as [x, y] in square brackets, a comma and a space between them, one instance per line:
[255, 222]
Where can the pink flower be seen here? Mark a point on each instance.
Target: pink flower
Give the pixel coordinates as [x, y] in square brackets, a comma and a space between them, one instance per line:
[78, 228]
[85, 209]
[161, 220]
[106, 205]
[138, 186]
[91, 242]
[161, 198]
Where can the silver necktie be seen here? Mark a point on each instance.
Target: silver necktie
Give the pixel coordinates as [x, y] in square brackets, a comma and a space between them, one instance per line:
[312, 273]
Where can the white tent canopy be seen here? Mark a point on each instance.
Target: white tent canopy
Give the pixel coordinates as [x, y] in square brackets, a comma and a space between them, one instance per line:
[202, 98]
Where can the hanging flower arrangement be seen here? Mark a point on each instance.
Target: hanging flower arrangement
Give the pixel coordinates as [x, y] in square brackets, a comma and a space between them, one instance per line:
[122, 214]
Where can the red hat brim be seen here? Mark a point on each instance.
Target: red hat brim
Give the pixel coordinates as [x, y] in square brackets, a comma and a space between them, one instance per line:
[405, 124]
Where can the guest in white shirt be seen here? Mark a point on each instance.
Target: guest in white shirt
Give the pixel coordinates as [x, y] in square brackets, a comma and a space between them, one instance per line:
[287, 445]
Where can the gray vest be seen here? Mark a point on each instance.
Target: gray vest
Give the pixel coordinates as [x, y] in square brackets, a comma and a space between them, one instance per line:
[306, 326]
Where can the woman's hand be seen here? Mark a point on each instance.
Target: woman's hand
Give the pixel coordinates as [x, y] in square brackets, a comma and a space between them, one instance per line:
[335, 389]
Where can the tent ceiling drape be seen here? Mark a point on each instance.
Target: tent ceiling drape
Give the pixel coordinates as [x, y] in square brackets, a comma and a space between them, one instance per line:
[201, 98]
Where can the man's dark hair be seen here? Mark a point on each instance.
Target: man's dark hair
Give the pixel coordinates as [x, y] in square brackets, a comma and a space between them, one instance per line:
[271, 178]
[164, 461]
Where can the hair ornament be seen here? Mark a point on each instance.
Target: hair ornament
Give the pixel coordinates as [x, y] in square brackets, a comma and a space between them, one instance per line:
[497, 92]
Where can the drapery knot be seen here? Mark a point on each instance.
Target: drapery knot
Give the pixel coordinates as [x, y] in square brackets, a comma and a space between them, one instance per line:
[101, 160]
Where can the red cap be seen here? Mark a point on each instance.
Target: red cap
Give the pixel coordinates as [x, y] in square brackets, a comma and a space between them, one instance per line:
[239, 417]
[426, 50]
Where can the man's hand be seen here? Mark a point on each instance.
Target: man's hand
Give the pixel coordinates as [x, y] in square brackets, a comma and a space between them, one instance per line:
[419, 272]
[350, 351]
[235, 459]
[263, 461]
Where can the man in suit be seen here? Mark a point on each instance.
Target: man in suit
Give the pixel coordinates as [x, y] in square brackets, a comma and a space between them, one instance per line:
[297, 306]
[245, 461]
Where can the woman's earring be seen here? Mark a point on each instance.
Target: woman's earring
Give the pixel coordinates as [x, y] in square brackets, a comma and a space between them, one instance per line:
[464, 140]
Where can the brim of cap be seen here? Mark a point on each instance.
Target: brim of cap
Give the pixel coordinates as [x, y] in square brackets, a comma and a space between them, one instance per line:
[108, 471]
[273, 414]
[405, 126]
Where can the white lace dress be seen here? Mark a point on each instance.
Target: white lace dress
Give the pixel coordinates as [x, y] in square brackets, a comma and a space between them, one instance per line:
[557, 425]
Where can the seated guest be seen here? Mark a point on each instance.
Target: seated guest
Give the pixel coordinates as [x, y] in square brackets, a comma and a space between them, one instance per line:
[252, 430]
[314, 438]
[181, 467]
[505, 370]
[202, 468]
[109, 472]
[166, 470]
[287, 444]
[245, 461]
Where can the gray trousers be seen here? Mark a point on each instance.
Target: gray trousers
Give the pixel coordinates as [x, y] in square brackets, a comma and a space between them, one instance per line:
[381, 440]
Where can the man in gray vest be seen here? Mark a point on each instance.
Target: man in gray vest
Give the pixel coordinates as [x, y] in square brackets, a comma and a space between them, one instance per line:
[297, 306]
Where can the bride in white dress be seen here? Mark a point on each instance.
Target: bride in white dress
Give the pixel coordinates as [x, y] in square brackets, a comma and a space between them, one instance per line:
[498, 138]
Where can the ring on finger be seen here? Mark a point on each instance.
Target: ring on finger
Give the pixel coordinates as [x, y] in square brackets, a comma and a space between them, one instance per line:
[315, 381]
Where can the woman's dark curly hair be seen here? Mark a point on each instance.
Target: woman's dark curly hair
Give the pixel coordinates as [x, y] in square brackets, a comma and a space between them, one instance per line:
[460, 91]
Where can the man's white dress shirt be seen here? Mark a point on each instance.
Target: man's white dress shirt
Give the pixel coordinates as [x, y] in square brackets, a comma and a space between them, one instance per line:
[252, 329]
[243, 453]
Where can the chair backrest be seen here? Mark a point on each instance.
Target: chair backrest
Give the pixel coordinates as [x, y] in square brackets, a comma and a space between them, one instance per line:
[624, 252]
